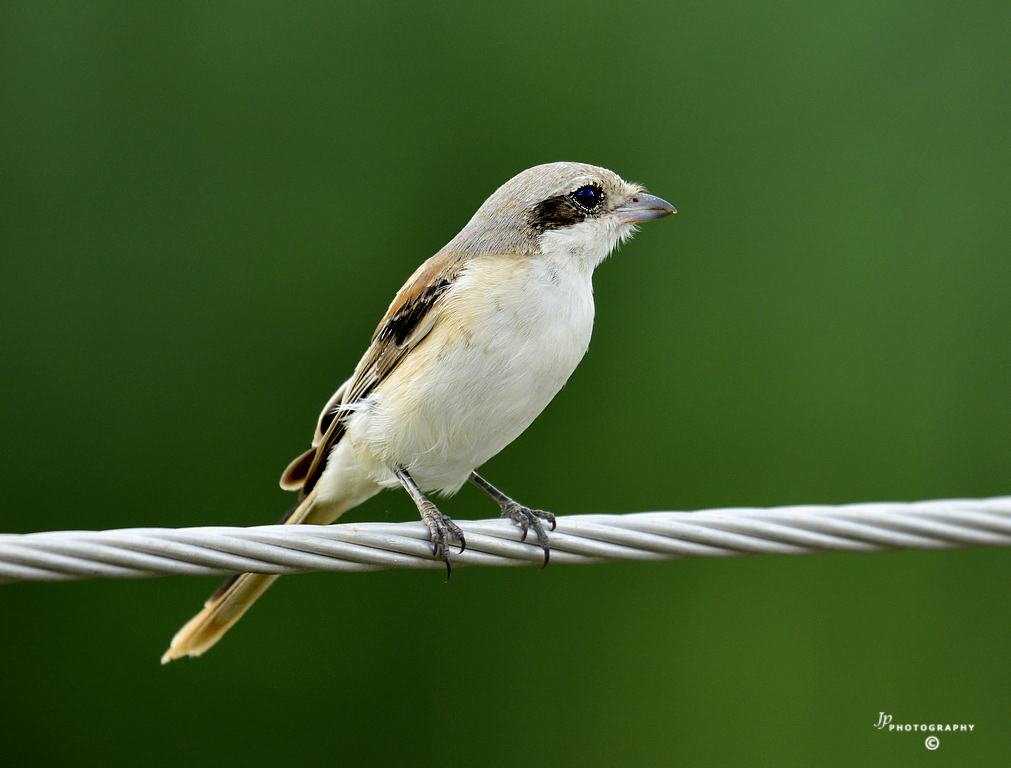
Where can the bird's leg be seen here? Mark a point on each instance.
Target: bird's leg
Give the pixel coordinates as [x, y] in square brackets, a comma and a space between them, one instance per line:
[442, 528]
[525, 517]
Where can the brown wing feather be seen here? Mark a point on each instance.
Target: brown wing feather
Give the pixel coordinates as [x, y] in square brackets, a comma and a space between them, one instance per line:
[295, 473]
[410, 317]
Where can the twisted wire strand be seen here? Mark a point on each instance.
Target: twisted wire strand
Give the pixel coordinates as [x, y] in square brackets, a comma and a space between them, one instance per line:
[133, 553]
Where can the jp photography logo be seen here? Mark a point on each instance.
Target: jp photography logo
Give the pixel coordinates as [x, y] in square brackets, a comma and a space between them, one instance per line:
[933, 740]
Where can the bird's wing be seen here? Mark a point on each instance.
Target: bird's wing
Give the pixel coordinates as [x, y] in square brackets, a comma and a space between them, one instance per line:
[410, 317]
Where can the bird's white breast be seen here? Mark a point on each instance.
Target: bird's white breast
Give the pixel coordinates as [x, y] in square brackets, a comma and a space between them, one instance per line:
[509, 334]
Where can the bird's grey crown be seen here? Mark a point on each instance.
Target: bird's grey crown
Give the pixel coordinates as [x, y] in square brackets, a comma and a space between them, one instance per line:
[515, 215]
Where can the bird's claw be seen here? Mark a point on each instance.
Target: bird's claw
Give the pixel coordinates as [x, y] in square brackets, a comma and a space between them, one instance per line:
[526, 519]
[443, 530]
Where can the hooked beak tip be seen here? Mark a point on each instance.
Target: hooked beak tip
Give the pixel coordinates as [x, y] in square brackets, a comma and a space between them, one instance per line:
[645, 207]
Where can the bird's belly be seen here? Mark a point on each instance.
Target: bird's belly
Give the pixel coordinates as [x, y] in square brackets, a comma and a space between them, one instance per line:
[481, 376]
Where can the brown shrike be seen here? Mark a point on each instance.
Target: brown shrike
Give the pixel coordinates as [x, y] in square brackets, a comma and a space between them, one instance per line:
[472, 348]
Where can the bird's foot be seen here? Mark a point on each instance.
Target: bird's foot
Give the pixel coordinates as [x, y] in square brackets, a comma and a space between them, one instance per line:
[526, 519]
[443, 531]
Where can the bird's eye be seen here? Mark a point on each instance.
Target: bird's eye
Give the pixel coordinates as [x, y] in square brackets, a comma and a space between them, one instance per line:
[588, 197]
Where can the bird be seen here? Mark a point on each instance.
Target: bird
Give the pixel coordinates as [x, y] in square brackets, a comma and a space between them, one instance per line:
[473, 347]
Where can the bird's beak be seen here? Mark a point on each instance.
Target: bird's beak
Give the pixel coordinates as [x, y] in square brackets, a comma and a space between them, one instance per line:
[643, 207]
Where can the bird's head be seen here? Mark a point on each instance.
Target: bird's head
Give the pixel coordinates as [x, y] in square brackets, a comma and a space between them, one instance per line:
[564, 209]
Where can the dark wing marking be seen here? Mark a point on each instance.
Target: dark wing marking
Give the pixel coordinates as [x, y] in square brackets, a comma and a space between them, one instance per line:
[294, 475]
[410, 317]
[328, 413]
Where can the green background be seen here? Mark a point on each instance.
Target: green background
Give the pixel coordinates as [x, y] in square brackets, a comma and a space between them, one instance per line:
[206, 207]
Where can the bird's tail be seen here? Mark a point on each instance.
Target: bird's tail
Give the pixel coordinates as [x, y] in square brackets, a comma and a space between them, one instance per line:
[238, 593]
